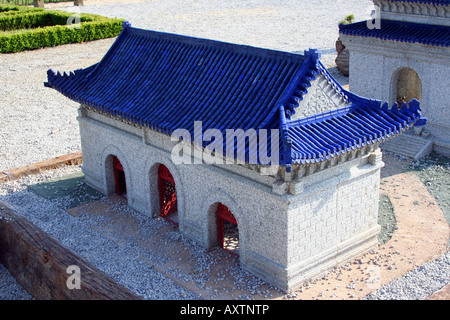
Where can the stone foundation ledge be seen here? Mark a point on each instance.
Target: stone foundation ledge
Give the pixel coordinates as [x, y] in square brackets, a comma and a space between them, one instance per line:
[292, 277]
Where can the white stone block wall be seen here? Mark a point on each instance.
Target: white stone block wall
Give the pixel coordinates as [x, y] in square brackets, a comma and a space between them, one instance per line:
[414, 11]
[374, 64]
[261, 214]
[334, 218]
[284, 238]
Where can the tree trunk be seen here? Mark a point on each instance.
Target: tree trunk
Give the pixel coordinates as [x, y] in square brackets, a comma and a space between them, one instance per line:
[38, 3]
[78, 3]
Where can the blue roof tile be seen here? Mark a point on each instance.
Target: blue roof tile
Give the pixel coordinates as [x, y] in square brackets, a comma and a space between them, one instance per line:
[436, 2]
[401, 31]
[167, 82]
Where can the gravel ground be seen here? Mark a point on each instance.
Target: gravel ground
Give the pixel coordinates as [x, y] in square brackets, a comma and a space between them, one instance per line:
[10, 289]
[77, 234]
[417, 284]
[38, 123]
[81, 234]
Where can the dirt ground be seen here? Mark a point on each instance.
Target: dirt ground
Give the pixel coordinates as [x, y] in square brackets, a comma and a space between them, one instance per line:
[421, 234]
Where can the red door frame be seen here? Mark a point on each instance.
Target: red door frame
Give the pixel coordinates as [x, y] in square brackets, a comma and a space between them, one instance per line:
[224, 214]
[167, 193]
[119, 177]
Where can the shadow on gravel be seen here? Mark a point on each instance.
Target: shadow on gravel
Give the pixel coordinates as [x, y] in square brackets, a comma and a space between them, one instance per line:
[70, 191]
[434, 172]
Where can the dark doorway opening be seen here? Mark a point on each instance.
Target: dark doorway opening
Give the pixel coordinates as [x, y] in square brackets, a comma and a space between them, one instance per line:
[227, 229]
[119, 178]
[167, 195]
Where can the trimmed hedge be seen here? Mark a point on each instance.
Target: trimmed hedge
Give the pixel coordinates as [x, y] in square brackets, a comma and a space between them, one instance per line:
[49, 28]
[39, 19]
[12, 9]
[29, 2]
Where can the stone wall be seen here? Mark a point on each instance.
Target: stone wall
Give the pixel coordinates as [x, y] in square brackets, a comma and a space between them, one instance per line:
[334, 218]
[284, 226]
[413, 11]
[260, 214]
[375, 66]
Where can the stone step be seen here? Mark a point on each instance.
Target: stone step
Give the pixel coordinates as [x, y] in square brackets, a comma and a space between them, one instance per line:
[409, 145]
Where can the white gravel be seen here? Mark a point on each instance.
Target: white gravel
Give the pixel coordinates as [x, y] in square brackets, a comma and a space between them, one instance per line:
[81, 235]
[77, 234]
[38, 123]
[417, 284]
[10, 289]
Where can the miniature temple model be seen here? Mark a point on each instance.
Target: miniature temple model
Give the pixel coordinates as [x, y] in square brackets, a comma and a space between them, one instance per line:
[314, 203]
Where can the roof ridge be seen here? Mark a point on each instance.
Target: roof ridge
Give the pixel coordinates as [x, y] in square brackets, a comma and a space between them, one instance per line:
[298, 87]
[125, 25]
[429, 34]
[239, 48]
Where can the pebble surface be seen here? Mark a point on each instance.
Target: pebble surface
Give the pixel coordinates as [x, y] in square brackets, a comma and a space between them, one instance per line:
[39, 123]
[417, 284]
[79, 233]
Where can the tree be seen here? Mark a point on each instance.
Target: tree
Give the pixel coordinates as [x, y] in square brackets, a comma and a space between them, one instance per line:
[78, 3]
[38, 3]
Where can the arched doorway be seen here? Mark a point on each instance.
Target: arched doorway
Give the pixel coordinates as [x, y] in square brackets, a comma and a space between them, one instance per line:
[167, 195]
[227, 230]
[406, 86]
[119, 178]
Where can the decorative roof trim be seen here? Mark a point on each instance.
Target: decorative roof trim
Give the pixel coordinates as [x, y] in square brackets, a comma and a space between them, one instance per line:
[436, 2]
[326, 135]
[434, 35]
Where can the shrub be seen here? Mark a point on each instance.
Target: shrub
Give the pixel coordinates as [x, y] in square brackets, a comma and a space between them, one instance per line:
[11, 9]
[39, 19]
[348, 19]
[39, 28]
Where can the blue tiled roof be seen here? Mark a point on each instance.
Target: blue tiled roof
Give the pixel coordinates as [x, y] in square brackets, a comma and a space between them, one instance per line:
[438, 2]
[363, 122]
[401, 31]
[167, 82]
[332, 133]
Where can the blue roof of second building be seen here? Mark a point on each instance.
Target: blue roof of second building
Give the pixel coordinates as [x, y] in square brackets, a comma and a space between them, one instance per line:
[435, 35]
